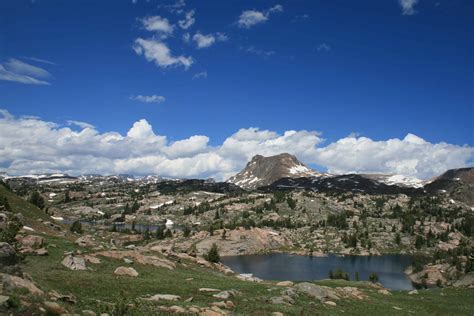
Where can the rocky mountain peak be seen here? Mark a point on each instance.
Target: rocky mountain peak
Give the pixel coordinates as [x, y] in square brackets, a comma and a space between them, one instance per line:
[262, 171]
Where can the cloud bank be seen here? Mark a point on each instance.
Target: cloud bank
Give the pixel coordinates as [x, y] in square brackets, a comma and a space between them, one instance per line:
[32, 145]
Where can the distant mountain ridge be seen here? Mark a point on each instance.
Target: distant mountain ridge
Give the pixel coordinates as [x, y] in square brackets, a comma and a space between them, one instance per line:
[284, 171]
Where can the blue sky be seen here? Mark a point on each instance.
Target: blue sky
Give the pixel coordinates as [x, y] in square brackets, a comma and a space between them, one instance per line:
[378, 69]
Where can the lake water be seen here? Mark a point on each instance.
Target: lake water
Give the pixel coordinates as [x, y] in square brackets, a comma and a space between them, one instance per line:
[283, 266]
[119, 226]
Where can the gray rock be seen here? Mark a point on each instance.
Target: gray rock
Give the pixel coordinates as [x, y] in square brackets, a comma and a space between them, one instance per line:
[4, 300]
[281, 300]
[164, 297]
[7, 254]
[126, 271]
[318, 292]
[465, 281]
[74, 263]
[223, 295]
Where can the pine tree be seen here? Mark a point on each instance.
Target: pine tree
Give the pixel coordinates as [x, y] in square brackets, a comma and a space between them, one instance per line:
[36, 199]
[66, 197]
[373, 277]
[159, 234]
[186, 231]
[213, 254]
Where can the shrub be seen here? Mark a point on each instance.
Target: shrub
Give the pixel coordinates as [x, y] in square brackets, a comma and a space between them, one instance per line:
[9, 232]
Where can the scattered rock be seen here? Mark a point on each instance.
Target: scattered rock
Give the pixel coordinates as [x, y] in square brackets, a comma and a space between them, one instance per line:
[11, 282]
[223, 295]
[281, 300]
[54, 308]
[74, 263]
[465, 281]
[128, 261]
[330, 303]
[277, 314]
[86, 241]
[189, 300]
[126, 271]
[139, 258]
[7, 254]
[177, 309]
[206, 289]
[4, 300]
[55, 296]
[32, 241]
[164, 297]
[219, 304]
[41, 252]
[88, 313]
[397, 308]
[384, 292]
[285, 283]
[415, 291]
[318, 292]
[248, 277]
[92, 259]
[350, 292]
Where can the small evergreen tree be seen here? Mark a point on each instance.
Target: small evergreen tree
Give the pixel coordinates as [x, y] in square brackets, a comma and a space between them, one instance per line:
[213, 254]
[11, 230]
[76, 227]
[373, 277]
[66, 197]
[186, 231]
[398, 239]
[5, 204]
[168, 233]
[159, 234]
[36, 199]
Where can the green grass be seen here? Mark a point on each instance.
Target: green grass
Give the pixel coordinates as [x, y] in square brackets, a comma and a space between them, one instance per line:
[101, 284]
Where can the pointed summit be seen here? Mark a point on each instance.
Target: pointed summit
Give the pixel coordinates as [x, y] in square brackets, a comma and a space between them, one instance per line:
[262, 171]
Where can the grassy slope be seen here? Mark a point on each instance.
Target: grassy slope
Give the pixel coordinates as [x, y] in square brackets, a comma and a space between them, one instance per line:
[32, 216]
[101, 284]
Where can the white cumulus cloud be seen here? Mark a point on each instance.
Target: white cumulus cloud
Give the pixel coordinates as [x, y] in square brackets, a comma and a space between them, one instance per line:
[31, 145]
[188, 20]
[148, 98]
[160, 54]
[159, 25]
[408, 6]
[207, 40]
[250, 18]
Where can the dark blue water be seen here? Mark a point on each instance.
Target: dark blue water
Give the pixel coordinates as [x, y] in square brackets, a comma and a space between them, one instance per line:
[282, 266]
[119, 226]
